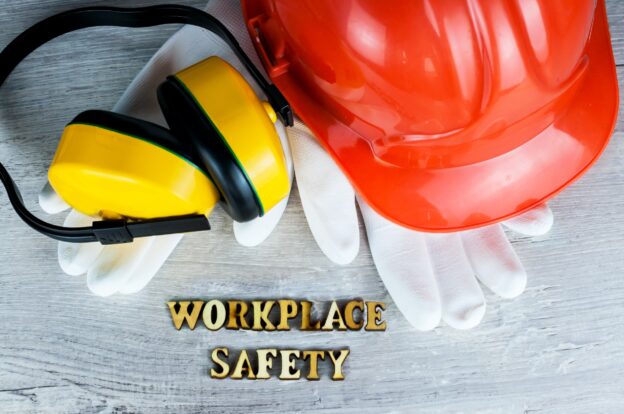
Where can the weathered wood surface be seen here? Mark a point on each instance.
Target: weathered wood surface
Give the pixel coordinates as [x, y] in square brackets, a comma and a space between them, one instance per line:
[559, 348]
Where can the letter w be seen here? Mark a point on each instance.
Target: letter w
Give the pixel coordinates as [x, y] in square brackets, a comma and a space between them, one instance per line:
[183, 315]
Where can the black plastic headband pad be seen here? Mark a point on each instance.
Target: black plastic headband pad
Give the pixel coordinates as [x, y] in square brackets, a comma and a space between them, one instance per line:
[136, 128]
[81, 18]
[188, 122]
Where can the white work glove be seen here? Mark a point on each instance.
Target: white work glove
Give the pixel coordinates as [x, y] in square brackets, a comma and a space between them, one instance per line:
[431, 277]
[123, 268]
[127, 268]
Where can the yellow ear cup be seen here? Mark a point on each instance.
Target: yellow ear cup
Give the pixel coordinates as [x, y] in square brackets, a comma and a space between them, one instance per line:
[245, 124]
[99, 171]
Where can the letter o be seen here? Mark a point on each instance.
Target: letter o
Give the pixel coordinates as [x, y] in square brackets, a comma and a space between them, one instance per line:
[220, 315]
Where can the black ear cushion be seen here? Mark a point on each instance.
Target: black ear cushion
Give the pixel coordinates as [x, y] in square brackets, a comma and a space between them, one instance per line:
[137, 128]
[192, 126]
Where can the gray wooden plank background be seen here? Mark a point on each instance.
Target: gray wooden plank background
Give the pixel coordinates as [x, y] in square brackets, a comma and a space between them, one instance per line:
[557, 348]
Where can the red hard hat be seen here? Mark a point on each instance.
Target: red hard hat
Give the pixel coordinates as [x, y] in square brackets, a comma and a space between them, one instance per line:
[446, 115]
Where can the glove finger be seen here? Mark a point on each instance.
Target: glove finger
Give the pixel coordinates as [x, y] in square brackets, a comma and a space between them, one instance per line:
[115, 265]
[75, 259]
[50, 201]
[254, 232]
[153, 259]
[463, 304]
[402, 261]
[327, 197]
[494, 260]
[535, 222]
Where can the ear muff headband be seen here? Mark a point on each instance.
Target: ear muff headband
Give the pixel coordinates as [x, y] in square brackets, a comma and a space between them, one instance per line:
[121, 231]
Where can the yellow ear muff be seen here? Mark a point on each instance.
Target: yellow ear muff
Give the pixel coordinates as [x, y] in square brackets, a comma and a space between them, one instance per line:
[99, 170]
[244, 124]
[116, 166]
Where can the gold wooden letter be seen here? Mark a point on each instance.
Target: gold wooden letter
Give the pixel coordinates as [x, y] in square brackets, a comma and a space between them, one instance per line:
[243, 365]
[288, 310]
[338, 362]
[314, 356]
[238, 310]
[288, 365]
[349, 317]
[261, 311]
[334, 316]
[306, 316]
[220, 314]
[373, 316]
[265, 362]
[182, 315]
[225, 368]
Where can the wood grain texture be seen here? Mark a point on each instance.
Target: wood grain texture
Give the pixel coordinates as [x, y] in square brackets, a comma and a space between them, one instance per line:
[559, 348]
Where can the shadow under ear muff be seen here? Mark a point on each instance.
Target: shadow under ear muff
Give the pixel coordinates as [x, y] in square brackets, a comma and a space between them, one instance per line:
[212, 108]
[115, 166]
[144, 180]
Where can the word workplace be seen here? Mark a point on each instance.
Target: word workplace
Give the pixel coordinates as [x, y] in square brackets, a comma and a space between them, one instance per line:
[277, 315]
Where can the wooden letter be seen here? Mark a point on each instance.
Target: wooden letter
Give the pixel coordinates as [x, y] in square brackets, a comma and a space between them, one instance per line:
[182, 315]
[288, 365]
[350, 318]
[261, 311]
[238, 310]
[338, 362]
[306, 317]
[265, 362]
[334, 316]
[225, 368]
[373, 316]
[243, 365]
[219, 307]
[288, 310]
[314, 356]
